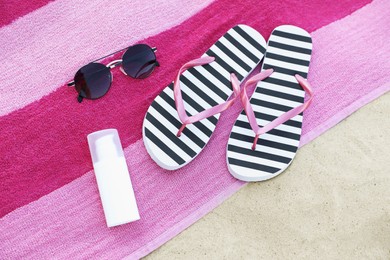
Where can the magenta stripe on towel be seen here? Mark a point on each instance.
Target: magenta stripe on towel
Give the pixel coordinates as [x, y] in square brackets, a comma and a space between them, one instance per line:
[71, 217]
[49, 136]
[13, 9]
[39, 52]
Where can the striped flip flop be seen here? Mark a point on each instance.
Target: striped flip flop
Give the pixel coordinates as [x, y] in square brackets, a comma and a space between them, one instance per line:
[265, 136]
[181, 119]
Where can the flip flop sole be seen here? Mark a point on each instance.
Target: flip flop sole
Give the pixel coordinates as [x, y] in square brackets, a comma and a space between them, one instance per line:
[240, 50]
[288, 53]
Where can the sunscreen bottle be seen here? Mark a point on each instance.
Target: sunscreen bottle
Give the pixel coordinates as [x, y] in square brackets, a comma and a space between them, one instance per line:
[112, 176]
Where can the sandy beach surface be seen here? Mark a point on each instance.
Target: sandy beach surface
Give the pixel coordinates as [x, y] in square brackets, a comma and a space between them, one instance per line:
[333, 202]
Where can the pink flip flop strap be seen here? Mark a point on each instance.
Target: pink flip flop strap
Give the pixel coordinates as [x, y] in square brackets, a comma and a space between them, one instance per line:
[184, 118]
[281, 119]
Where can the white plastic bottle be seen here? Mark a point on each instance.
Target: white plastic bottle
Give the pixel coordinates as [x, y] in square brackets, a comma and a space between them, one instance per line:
[112, 176]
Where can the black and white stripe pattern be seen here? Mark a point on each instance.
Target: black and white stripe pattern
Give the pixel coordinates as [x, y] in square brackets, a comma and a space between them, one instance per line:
[288, 53]
[240, 51]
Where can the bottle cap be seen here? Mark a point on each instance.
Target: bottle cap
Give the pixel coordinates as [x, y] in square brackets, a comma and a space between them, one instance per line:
[104, 145]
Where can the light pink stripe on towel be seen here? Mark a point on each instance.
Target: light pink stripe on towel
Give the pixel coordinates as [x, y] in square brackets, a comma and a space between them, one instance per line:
[39, 52]
[348, 70]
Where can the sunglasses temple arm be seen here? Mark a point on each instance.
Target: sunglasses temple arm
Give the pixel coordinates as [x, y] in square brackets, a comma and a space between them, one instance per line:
[80, 98]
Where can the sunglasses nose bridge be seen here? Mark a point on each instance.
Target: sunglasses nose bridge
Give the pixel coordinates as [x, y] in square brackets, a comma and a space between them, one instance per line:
[114, 63]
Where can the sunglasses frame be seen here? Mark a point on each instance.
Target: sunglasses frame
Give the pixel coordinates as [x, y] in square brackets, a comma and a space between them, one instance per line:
[112, 65]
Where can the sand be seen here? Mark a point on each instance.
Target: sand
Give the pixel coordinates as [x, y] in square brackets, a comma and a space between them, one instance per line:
[333, 202]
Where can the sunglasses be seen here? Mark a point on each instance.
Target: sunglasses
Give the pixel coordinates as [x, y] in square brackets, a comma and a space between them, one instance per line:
[93, 80]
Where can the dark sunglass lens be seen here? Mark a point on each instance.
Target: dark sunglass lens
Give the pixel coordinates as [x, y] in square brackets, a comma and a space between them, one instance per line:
[139, 61]
[93, 80]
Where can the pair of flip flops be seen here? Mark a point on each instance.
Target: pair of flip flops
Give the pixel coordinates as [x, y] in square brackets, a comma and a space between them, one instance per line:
[265, 136]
